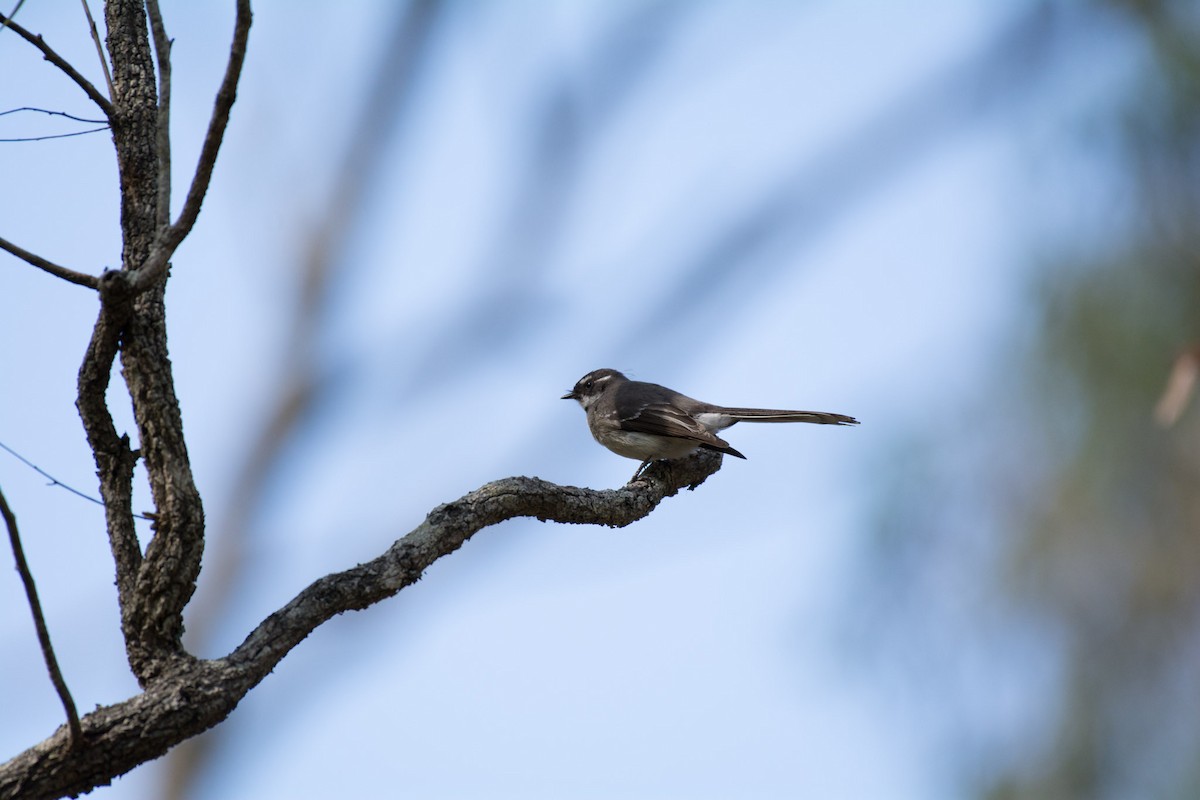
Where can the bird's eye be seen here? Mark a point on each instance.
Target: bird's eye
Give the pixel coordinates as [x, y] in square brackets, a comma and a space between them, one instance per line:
[588, 384]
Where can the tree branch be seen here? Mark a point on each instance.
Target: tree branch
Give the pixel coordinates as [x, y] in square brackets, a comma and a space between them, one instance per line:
[39, 622]
[152, 617]
[217, 124]
[170, 237]
[53, 480]
[70, 275]
[114, 460]
[87, 12]
[448, 527]
[162, 53]
[58, 61]
[191, 696]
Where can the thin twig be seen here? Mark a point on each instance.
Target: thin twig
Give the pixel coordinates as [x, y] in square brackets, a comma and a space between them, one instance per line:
[56, 482]
[99, 47]
[162, 52]
[39, 622]
[53, 114]
[60, 62]
[53, 136]
[69, 275]
[53, 480]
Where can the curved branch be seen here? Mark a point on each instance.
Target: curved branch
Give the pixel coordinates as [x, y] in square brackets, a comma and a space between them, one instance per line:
[190, 696]
[165, 579]
[447, 528]
[114, 459]
[70, 275]
[58, 61]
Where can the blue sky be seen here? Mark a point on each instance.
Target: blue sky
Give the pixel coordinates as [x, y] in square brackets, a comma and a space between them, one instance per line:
[698, 653]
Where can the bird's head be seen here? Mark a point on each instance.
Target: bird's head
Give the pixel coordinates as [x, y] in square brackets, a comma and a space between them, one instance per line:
[591, 387]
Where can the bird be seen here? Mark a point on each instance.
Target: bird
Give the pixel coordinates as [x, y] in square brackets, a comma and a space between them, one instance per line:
[648, 422]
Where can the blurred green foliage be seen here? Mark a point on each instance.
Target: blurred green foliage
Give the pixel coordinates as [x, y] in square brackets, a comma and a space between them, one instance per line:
[1066, 554]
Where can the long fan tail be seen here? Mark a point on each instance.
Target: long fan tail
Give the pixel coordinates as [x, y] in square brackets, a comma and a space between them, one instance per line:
[779, 415]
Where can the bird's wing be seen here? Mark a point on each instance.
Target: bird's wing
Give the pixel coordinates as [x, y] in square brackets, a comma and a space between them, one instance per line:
[663, 419]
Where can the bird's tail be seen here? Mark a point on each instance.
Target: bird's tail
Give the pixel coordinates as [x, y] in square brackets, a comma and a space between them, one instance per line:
[777, 415]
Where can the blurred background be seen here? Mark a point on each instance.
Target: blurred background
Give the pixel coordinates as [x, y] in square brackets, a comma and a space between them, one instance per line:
[969, 224]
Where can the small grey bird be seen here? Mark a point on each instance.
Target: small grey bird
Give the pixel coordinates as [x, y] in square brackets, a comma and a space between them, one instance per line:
[651, 422]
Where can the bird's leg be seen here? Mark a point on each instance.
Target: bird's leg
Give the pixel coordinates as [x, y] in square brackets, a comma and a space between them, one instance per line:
[641, 469]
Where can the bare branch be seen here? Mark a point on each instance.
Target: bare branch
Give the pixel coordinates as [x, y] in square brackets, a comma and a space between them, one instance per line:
[39, 622]
[154, 594]
[54, 136]
[191, 695]
[216, 126]
[162, 53]
[198, 695]
[55, 481]
[448, 527]
[102, 123]
[169, 238]
[58, 61]
[114, 460]
[99, 47]
[52, 114]
[69, 275]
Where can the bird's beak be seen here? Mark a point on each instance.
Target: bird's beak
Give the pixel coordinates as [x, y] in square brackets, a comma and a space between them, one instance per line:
[569, 396]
